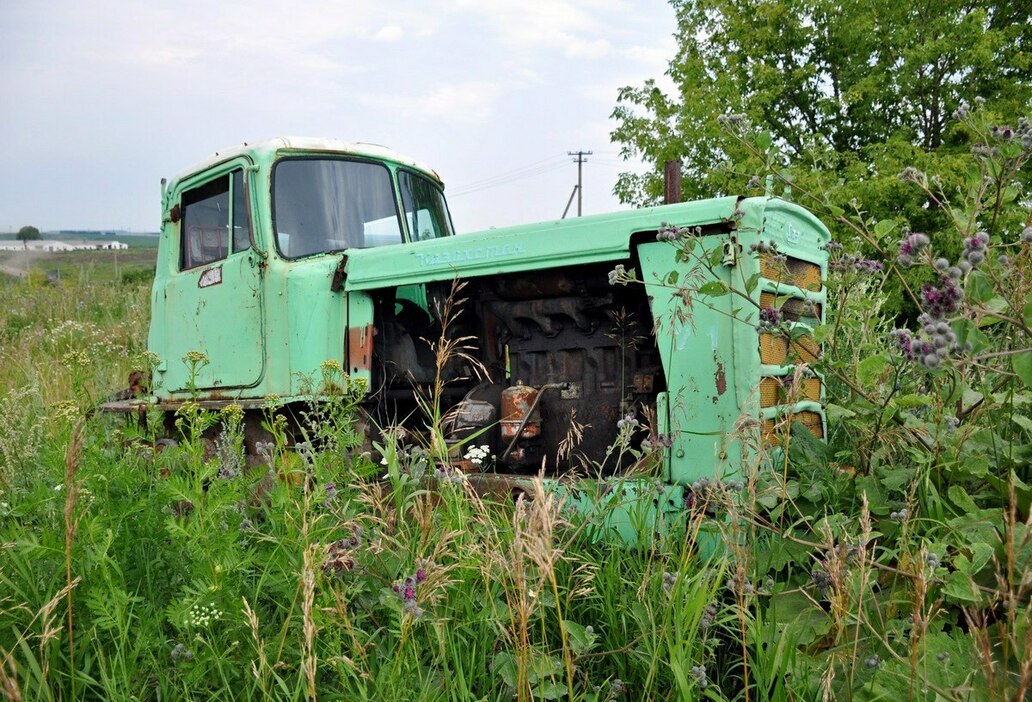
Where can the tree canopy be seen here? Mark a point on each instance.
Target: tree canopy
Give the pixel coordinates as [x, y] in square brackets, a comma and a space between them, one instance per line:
[851, 87]
[29, 233]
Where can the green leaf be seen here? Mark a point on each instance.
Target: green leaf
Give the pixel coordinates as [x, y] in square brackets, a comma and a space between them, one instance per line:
[763, 140]
[871, 487]
[780, 553]
[896, 478]
[837, 412]
[802, 621]
[959, 497]
[1027, 314]
[580, 639]
[1022, 365]
[548, 690]
[911, 401]
[998, 305]
[873, 691]
[966, 331]
[751, 284]
[543, 667]
[980, 555]
[883, 228]
[1022, 421]
[672, 278]
[889, 413]
[504, 667]
[870, 369]
[821, 332]
[959, 586]
[962, 564]
[979, 287]
[714, 288]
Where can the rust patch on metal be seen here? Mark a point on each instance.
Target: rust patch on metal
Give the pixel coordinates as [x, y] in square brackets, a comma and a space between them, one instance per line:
[500, 487]
[720, 377]
[340, 273]
[138, 384]
[643, 382]
[360, 348]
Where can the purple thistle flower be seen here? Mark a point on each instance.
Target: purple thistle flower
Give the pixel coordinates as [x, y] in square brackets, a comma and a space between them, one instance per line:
[770, 318]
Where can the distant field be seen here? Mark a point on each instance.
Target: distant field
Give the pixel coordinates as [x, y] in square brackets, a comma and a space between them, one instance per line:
[134, 241]
[97, 266]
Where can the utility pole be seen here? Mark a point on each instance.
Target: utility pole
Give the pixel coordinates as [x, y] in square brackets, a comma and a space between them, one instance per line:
[580, 161]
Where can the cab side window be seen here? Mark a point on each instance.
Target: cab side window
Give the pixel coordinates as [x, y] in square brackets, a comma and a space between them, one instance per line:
[210, 226]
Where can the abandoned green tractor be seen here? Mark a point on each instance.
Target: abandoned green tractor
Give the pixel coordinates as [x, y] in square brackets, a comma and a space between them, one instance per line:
[676, 328]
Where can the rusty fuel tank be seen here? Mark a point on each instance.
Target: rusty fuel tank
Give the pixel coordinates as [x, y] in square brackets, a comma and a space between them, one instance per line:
[521, 421]
[520, 415]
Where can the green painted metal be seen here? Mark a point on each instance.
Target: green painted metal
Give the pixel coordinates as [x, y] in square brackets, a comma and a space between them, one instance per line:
[697, 345]
[273, 321]
[560, 243]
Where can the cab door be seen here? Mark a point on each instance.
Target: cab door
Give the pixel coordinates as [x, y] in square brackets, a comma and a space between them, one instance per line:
[213, 297]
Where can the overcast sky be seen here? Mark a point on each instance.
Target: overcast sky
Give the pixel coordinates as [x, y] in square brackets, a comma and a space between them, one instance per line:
[103, 98]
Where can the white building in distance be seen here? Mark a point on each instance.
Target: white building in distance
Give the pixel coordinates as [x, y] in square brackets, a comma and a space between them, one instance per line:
[51, 245]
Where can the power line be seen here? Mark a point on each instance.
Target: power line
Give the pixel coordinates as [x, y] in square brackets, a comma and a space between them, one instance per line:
[514, 171]
[498, 181]
[504, 176]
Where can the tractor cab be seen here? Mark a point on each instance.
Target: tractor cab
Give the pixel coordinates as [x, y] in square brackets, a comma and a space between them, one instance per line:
[247, 250]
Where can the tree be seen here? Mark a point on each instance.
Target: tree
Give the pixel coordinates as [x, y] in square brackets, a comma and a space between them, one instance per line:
[28, 233]
[841, 84]
[842, 96]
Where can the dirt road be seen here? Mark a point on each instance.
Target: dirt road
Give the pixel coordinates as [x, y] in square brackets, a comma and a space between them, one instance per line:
[18, 263]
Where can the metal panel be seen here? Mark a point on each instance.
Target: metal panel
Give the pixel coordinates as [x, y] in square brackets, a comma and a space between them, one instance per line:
[698, 357]
[561, 243]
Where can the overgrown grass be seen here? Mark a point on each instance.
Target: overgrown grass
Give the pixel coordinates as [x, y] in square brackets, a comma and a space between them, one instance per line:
[278, 582]
[891, 562]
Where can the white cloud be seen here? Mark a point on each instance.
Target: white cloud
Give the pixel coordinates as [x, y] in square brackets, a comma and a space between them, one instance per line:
[471, 101]
[654, 55]
[559, 24]
[599, 92]
[391, 32]
[165, 55]
[583, 48]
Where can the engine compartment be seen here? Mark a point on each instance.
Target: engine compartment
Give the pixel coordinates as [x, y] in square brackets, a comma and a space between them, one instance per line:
[545, 365]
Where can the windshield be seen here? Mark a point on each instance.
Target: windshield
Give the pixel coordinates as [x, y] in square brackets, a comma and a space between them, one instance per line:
[332, 204]
[425, 208]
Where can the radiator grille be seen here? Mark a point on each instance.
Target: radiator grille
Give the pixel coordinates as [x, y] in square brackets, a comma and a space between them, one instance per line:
[810, 420]
[775, 392]
[778, 350]
[793, 309]
[794, 271]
